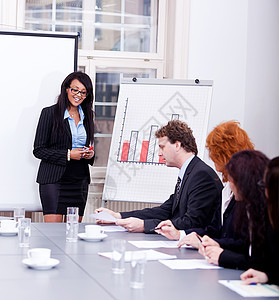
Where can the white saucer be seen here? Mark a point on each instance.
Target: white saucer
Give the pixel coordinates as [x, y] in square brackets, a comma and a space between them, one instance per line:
[95, 238]
[51, 263]
[10, 232]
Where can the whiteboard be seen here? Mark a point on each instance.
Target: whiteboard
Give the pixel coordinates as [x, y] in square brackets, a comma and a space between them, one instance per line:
[33, 66]
[135, 172]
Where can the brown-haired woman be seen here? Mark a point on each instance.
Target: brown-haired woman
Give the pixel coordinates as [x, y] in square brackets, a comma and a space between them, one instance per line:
[271, 183]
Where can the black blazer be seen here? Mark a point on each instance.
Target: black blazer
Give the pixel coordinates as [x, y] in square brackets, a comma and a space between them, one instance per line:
[52, 148]
[271, 265]
[241, 259]
[199, 197]
[224, 234]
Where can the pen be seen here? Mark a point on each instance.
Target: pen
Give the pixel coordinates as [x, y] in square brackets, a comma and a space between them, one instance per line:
[87, 149]
[157, 228]
[200, 244]
[198, 237]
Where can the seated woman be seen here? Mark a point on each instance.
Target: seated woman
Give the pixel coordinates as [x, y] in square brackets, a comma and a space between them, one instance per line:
[271, 182]
[222, 142]
[245, 172]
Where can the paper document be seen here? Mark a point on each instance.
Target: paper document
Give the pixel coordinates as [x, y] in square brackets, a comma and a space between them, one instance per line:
[113, 228]
[105, 216]
[258, 290]
[188, 264]
[150, 255]
[157, 244]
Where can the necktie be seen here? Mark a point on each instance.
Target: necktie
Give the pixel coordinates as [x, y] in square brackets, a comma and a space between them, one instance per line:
[177, 189]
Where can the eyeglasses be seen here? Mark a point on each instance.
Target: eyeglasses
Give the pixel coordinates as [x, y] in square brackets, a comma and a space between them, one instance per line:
[261, 184]
[75, 92]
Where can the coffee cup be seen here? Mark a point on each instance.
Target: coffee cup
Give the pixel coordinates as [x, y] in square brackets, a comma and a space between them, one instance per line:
[8, 225]
[39, 256]
[93, 230]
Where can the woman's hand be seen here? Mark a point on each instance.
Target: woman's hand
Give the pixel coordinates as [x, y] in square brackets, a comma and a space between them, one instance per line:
[212, 254]
[76, 154]
[207, 241]
[167, 229]
[87, 154]
[190, 239]
[253, 276]
[79, 153]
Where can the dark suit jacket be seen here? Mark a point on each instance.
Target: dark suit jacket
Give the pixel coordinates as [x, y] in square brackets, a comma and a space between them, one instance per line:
[199, 197]
[52, 148]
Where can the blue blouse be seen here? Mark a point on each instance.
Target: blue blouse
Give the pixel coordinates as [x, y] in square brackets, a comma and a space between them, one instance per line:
[78, 132]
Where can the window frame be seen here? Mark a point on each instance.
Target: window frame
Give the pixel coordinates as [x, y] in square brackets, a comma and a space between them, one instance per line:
[159, 54]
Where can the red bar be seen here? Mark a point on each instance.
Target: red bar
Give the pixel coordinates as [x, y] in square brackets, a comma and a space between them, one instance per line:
[161, 161]
[125, 151]
[144, 149]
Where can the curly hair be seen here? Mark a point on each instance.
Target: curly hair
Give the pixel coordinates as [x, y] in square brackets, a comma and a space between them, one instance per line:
[246, 170]
[179, 131]
[224, 140]
[271, 180]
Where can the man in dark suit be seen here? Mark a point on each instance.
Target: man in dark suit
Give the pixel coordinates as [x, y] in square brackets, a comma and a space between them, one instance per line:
[198, 191]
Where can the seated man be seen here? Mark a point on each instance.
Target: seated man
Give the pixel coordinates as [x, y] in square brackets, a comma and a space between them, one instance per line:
[198, 190]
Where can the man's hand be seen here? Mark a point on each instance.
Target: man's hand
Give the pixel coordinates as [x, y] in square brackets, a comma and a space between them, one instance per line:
[132, 224]
[190, 239]
[114, 214]
[168, 230]
[253, 276]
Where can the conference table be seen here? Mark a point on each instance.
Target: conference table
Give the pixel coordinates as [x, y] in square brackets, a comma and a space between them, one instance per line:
[83, 274]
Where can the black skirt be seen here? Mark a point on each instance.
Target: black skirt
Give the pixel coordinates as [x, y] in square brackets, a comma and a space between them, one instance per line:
[70, 190]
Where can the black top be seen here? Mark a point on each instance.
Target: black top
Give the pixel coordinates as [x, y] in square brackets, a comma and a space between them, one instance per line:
[224, 234]
[239, 258]
[271, 266]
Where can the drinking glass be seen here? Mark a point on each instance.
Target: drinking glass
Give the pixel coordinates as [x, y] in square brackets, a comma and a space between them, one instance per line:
[138, 261]
[118, 256]
[72, 224]
[24, 232]
[19, 212]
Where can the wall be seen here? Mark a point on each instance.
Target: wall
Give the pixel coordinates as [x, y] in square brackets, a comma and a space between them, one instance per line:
[262, 75]
[235, 43]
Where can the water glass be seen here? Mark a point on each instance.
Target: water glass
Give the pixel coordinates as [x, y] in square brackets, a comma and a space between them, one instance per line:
[72, 224]
[19, 212]
[138, 261]
[24, 232]
[118, 256]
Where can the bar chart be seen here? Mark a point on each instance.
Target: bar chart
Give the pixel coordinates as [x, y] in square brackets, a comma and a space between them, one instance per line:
[137, 150]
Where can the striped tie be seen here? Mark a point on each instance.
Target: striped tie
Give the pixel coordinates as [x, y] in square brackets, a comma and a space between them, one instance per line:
[177, 189]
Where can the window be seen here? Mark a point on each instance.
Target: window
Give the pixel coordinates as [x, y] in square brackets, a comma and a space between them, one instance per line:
[118, 25]
[126, 26]
[118, 38]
